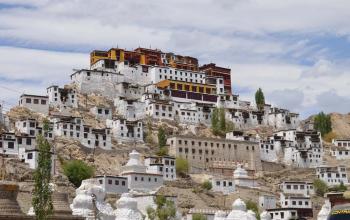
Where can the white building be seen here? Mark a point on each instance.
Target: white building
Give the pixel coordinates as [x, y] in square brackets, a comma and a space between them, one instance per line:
[74, 127]
[298, 201]
[138, 177]
[297, 187]
[294, 148]
[31, 158]
[341, 149]
[162, 165]
[8, 144]
[283, 213]
[267, 202]
[35, 103]
[341, 142]
[62, 97]
[126, 131]
[224, 185]
[101, 112]
[113, 184]
[332, 176]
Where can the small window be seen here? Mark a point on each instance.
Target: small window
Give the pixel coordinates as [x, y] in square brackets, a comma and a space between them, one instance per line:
[30, 156]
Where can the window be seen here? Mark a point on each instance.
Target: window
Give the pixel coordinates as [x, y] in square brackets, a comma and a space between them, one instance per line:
[109, 182]
[36, 101]
[29, 141]
[43, 102]
[100, 181]
[123, 183]
[30, 156]
[11, 145]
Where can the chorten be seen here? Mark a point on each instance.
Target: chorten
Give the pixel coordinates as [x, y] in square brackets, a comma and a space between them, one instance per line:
[220, 215]
[134, 164]
[89, 201]
[127, 208]
[239, 211]
[325, 210]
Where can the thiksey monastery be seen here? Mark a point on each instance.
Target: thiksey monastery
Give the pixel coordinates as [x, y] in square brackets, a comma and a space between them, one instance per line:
[143, 85]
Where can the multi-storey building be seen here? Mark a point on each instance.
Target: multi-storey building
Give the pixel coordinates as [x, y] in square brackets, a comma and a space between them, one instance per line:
[212, 70]
[202, 153]
[74, 127]
[332, 176]
[35, 103]
[62, 97]
[295, 148]
[297, 187]
[126, 131]
[162, 165]
[341, 149]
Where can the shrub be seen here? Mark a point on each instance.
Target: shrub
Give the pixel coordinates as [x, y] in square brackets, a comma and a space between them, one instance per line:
[260, 99]
[340, 188]
[181, 166]
[207, 185]
[198, 216]
[162, 151]
[323, 123]
[251, 205]
[320, 187]
[77, 171]
[161, 137]
[329, 136]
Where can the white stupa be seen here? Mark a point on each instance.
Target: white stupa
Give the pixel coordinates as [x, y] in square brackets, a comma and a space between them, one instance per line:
[265, 216]
[134, 164]
[325, 210]
[84, 206]
[241, 178]
[220, 215]
[239, 211]
[127, 208]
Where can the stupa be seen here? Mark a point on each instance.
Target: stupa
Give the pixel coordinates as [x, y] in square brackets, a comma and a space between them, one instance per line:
[127, 208]
[325, 210]
[89, 201]
[239, 211]
[241, 178]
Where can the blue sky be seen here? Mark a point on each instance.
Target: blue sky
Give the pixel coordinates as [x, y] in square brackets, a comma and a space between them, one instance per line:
[297, 51]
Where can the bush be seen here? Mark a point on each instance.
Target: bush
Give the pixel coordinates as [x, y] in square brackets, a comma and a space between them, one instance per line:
[77, 171]
[197, 216]
[323, 123]
[165, 209]
[161, 137]
[340, 188]
[254, 207]
[207, 185]
[320, 187]
[181, 166]
[329, 136]
[162, 152]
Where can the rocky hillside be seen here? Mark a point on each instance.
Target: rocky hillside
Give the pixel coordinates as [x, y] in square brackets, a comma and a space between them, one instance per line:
[341, 124]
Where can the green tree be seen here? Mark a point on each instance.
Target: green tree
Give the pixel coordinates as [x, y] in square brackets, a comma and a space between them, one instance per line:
[161, 137]
[251, 205]
[207, 185]
[198, 216]
[181, 166]
[165, 209]
[42, 201]
[215, 121]
[222, 120]
[323, 123]
[77, 171]
[340, 188]
[260, 99]
[320, 187]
